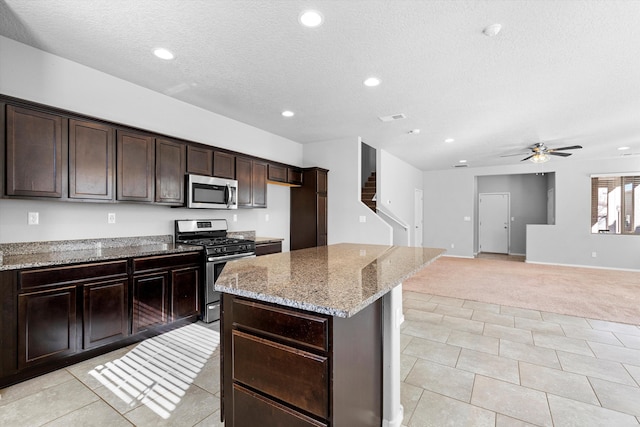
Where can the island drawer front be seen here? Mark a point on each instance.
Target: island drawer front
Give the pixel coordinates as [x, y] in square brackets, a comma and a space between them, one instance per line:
[291, 375]
[69, 274]
[253, 409]
[291, 326]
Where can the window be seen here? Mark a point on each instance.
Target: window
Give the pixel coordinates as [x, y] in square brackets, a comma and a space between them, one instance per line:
[615, 204]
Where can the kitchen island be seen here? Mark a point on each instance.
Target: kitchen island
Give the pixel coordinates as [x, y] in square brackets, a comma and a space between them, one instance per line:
[311, 337]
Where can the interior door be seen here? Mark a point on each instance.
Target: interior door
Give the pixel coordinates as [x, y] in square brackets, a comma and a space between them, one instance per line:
[493, 215]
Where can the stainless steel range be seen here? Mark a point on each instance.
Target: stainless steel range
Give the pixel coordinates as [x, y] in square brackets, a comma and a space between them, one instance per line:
[219, 248]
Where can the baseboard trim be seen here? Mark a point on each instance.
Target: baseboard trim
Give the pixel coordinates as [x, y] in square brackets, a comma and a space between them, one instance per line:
[582, 266]
[458, 256]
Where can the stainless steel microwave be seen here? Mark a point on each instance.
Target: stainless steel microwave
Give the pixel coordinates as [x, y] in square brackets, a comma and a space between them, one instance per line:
[207, 192]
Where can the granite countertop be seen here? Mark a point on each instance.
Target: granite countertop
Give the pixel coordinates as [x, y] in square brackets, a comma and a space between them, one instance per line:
[338, 280]
[268, 240]
[15, 256]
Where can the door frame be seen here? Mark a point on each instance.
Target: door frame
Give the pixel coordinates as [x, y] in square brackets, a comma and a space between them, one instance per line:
[418, 220]
[500, 193]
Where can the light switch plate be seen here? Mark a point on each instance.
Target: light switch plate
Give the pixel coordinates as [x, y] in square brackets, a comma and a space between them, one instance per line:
[111, 218]
[363, 218]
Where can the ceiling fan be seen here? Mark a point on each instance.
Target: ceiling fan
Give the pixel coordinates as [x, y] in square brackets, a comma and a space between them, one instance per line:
[539, 152]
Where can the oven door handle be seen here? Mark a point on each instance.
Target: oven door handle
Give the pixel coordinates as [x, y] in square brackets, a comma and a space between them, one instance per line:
[229, 257]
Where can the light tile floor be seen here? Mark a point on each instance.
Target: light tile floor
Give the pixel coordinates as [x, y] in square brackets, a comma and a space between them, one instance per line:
[464, 363]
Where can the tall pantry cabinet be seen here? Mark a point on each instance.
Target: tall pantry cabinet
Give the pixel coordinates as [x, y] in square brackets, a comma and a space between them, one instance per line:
[309, 210]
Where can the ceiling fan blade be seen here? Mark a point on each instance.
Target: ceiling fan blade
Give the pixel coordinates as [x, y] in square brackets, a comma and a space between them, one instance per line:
[527, 158]
[559, 154]
[573, 147]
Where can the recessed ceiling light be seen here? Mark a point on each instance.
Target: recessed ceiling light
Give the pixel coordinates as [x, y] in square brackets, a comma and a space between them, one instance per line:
[288, 113]
[624, 148]
[448, 140]
[163, 53]
[311, 18]
[492, 30]
[372, 81]
[462, 161]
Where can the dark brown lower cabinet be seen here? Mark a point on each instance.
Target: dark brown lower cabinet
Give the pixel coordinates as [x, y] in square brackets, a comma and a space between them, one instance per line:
[150, 301]
[46, 326]
[268, 248]
[287, 367]
[166, 288]
[105, 315]
[53, 316]
[185, 298]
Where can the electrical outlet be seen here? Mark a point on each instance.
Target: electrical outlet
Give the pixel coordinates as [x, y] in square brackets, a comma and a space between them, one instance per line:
[266, 217]
[452, 246]
[235, 218]
[33, 218]
[111, 218]
[594, 254]
[363, 218]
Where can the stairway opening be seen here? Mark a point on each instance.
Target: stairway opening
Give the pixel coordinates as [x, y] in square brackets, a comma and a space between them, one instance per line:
[368, 176]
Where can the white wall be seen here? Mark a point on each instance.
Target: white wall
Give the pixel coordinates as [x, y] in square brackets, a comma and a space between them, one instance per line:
[449, 196]
[342, 158]
[37, 76]
[397, 181]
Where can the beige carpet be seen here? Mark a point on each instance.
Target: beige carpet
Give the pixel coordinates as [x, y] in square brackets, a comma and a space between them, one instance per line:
[593, 293]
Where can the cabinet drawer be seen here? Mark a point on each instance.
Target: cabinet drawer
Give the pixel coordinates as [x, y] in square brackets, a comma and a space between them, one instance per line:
[268, 248]
[252, 409]
[293, 376]
[291, 326]
[52, 276]
[165, 262]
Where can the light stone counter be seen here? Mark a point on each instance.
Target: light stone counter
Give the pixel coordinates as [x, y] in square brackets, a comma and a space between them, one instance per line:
[338, 280]
[15, 256]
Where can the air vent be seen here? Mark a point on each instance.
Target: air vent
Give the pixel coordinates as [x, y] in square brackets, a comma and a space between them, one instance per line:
[460, 166]
[392, 117]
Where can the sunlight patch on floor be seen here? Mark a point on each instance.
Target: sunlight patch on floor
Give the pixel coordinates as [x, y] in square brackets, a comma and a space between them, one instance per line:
[159, 370]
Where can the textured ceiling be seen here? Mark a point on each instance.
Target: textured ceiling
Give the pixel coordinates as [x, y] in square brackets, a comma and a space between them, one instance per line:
[567, 71]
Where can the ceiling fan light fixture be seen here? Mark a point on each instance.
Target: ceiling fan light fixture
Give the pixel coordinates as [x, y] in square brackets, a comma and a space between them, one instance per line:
[540, 158]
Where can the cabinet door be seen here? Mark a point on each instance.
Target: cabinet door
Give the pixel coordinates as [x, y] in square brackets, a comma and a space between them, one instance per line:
[322, 221]
[34, 153]
[294, 176]
[170, 170]
[46, 326]
[224, 165]
[199, 160]
[135, 167]
[105, 315]
[150, 301]
[259, 184]
[244, 176]
[91, 155]
[277, 173]
[185, 286]
[322, 182]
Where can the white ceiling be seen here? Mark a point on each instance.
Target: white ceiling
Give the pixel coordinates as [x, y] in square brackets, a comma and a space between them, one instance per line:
[567, 72]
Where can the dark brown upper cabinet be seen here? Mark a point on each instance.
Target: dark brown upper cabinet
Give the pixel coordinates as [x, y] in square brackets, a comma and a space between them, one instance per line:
[135, 153]
[34, 153]
[294, 176]
[91, 157]
[277, 173]
[170, 170]
[224, 165]
[199, 160]
[252, 182]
